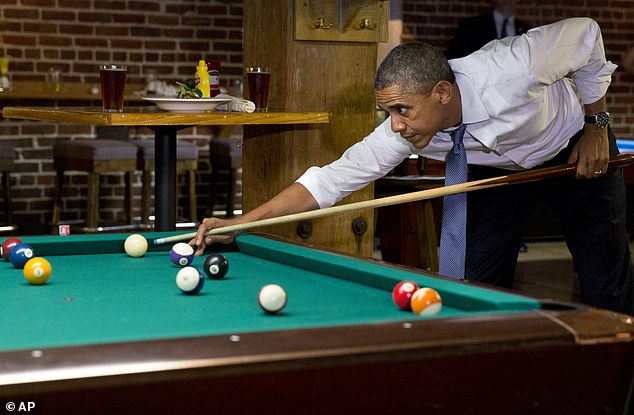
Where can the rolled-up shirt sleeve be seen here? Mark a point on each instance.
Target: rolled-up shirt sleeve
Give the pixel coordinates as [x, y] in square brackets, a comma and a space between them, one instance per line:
[572, 46]
[362, 163]
[593, 79]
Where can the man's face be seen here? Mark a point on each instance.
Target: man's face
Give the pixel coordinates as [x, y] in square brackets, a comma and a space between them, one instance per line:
[417, 117]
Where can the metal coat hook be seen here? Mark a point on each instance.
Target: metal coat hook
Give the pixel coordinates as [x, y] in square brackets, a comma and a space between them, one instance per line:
[319, 24]
[365, 24]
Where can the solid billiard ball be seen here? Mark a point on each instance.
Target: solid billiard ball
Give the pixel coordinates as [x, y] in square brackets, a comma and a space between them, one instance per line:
[20, 254]
[8, 245]
[182, 254]
[272, 298]
[402, 293]
[426, 302]
[37, 271]
[189, 280]
[216, 266]
[135, 245]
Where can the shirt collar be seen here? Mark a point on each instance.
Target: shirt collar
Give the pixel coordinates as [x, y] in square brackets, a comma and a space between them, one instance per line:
[473, 110]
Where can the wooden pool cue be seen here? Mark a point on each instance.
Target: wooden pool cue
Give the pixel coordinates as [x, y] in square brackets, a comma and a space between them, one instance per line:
[515, 178]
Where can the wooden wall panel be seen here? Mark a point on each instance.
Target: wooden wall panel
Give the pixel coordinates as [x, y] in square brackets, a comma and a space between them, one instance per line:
[307, 76]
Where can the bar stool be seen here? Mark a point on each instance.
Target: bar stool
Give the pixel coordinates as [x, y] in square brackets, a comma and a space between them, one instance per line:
[225, 155]
[186, 163]
[7, 163]
[96, 157]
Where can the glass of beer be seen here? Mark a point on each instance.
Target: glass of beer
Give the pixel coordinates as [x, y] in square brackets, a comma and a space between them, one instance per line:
[258, 79]
[112, 87]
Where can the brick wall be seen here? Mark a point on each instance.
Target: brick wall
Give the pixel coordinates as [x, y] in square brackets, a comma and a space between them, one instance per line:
[169, 36]
[74, 37]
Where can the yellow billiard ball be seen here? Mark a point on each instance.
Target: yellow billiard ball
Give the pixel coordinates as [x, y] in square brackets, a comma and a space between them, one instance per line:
[37, 271]
[135, 245]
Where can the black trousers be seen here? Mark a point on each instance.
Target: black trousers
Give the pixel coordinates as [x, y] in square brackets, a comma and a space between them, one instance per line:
[592, 215]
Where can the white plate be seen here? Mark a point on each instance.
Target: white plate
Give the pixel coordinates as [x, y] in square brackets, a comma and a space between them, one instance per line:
[187, 104]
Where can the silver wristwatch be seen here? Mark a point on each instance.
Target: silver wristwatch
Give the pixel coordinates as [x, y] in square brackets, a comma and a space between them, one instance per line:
[600, 119]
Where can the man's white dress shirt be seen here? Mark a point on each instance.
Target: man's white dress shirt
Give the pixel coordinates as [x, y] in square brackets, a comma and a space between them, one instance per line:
[521, 98]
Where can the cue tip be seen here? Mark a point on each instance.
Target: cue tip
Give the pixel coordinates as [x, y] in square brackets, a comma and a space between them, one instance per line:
[159, 241]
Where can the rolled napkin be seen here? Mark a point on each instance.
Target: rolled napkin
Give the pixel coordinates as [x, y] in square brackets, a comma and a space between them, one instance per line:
[236, 104]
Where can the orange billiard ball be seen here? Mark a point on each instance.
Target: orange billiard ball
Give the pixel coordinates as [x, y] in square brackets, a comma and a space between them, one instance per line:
[37, 271]
[426, 302]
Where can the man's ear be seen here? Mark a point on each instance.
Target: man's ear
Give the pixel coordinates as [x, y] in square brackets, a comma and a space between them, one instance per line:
[443, 90]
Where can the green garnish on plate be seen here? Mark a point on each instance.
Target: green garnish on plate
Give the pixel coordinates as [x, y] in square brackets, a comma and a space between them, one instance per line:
[188, 90]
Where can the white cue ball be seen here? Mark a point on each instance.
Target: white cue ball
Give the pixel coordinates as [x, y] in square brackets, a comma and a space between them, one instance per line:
[189, 280]
[135, 245]
[272, 298]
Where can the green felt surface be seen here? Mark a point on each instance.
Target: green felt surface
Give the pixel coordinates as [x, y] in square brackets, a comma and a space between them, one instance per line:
[109, 297]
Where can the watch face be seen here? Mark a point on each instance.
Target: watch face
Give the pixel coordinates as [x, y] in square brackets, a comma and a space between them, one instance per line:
[603, 119]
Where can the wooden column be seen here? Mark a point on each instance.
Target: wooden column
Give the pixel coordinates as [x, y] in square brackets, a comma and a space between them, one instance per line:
[336, 77]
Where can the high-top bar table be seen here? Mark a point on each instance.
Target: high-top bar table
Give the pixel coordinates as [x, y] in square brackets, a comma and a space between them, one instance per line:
[165, 126]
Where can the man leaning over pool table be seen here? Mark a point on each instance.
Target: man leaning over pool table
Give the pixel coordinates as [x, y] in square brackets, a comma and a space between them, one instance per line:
[523, 100]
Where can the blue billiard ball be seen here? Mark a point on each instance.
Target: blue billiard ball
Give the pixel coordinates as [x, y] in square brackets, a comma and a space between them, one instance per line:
[189, 280]
[182, 254]
[20, 254]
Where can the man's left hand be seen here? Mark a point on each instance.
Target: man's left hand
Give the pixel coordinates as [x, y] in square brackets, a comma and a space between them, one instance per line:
[591, 153]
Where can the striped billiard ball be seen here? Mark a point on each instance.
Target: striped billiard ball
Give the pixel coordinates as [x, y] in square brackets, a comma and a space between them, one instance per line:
[182, 254]
[426, 302]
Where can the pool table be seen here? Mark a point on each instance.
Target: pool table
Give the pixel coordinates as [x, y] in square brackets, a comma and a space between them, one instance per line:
[110, 334]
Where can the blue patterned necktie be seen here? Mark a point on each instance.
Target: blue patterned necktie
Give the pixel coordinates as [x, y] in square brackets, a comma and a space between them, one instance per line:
[454, 212]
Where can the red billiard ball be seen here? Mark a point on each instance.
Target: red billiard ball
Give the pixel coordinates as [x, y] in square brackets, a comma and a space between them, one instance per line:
[216, 266]
[8, 245]
[426, 302]
[402, 293]
[20, 254]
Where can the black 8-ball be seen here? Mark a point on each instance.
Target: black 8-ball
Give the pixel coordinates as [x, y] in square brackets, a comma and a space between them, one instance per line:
[216, 266]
